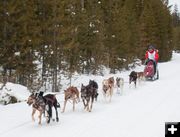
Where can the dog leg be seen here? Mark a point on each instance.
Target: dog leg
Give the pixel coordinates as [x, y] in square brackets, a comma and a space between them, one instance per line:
[57, 118]
[92, 100]
[64, 106]
[122, 86]
[33, 112]
[87, 107]
[47, 117]
[110, 97]
[84, 104]
[74, 101]
[121, 90]
[40, 114]
[111, 93]
[77, 96]
[117, 90]
[104, 94]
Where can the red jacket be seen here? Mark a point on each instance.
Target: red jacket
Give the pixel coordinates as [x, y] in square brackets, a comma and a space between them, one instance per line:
[152, 55]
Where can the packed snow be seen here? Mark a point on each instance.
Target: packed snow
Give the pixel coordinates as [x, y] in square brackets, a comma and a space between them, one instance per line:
[137, 112]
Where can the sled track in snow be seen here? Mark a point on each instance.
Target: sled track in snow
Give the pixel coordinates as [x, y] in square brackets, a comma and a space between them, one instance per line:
[14, 128]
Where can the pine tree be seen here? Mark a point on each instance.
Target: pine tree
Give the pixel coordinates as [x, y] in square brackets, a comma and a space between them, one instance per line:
[176, 28]
[89, 36]
[175, 16]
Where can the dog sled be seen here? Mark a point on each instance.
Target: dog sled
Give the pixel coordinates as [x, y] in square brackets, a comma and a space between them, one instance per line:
[150, 71]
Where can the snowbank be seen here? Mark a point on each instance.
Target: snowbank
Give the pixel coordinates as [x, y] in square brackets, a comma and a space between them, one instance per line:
[13, 91]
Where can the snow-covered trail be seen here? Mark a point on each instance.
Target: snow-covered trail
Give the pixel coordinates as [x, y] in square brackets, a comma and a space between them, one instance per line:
[140, 112]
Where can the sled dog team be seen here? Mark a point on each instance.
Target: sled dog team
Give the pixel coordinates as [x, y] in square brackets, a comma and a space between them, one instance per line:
[88, 93]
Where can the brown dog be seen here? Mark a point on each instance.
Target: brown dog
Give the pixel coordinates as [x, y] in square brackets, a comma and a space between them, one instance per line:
[140, 76]
[71, 93]
[108, 85]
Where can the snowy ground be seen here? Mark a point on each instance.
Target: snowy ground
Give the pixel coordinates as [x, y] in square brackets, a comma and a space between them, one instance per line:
[140, 112]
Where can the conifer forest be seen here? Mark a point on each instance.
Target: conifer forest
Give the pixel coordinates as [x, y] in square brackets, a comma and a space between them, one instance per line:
[41, 40]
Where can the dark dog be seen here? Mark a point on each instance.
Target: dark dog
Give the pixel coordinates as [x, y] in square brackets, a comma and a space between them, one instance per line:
[88, 94]
[133, 77]
[94, 84]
